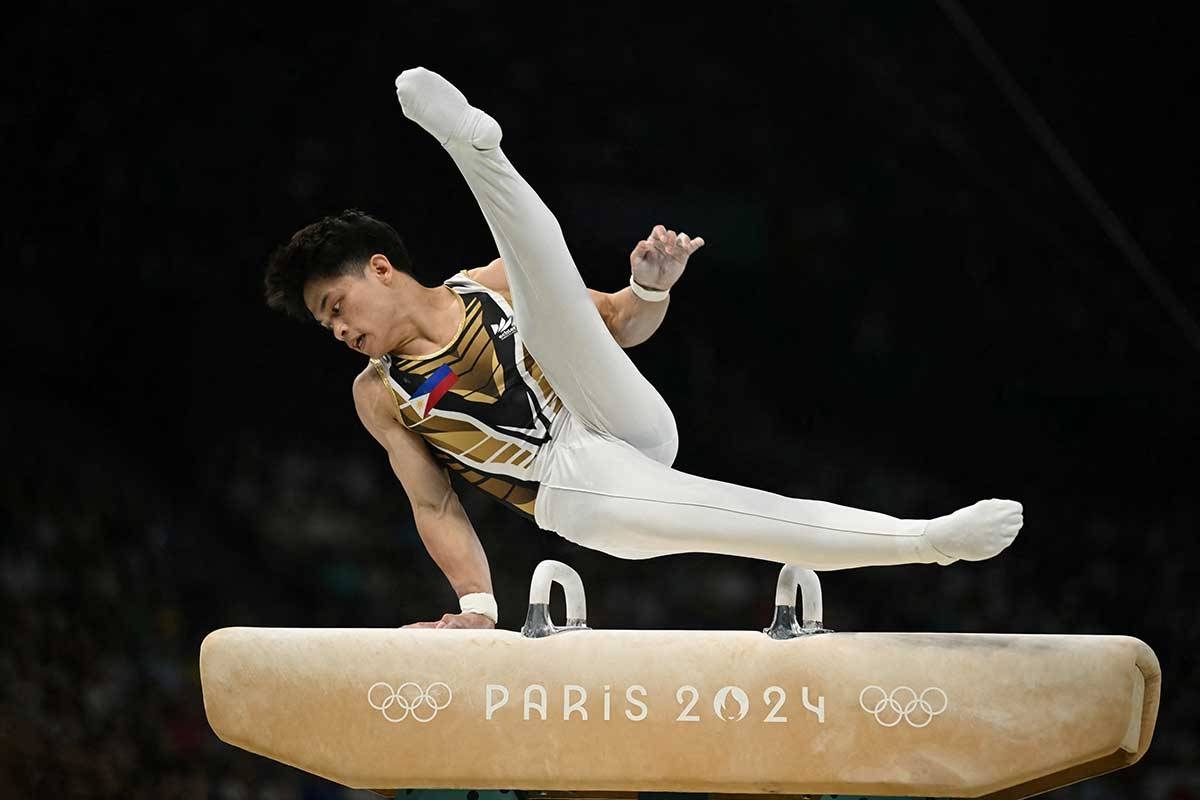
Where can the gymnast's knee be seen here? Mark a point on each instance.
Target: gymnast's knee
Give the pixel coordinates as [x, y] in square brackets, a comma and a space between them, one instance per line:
[665, 452]
[665, 433]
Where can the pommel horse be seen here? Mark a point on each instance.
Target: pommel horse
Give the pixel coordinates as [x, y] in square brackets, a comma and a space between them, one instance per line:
[569, 711]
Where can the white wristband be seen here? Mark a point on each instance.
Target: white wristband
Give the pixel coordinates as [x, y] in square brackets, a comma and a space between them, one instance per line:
[479, 603]
[651, 295]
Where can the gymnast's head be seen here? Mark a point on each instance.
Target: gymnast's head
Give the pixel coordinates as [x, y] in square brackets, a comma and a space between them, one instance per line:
[349, 272]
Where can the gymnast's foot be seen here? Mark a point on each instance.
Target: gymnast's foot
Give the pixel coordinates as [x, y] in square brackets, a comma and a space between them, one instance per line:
[976, 532]
[439, 107]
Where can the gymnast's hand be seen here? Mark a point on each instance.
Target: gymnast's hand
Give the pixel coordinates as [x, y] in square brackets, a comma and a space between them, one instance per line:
[660, 259]
[456, 621]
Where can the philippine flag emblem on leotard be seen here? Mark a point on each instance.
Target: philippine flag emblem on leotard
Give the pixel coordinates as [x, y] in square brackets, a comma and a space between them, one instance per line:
[430, 392]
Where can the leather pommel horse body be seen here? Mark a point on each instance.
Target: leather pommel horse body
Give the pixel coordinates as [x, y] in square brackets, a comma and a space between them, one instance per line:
[796, 711]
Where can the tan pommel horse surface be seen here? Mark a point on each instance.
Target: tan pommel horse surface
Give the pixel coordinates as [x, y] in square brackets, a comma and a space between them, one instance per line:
[792, 712]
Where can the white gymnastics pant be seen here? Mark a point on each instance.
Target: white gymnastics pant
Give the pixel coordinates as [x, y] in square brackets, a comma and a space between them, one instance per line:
[606, 478]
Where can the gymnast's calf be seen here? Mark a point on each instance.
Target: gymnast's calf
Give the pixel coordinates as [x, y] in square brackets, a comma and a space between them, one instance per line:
[514, 377]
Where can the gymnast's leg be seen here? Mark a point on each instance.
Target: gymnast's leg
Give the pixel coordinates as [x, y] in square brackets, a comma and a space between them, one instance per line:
[607, 496]
[554, 313]
[667, 510]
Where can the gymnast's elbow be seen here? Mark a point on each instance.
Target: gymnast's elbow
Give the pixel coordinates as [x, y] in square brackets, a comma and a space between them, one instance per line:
[436, 505]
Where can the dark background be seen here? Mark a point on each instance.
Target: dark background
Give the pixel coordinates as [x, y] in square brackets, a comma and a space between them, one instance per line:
[903, 305]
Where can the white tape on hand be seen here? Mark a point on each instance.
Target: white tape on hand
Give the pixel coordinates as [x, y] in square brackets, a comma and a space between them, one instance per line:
[652, 295]
[480, 603]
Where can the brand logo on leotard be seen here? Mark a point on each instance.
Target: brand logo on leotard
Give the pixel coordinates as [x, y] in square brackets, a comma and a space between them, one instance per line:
[504, 328]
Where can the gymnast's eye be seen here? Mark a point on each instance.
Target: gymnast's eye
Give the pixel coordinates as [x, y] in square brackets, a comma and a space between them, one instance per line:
[337, 307]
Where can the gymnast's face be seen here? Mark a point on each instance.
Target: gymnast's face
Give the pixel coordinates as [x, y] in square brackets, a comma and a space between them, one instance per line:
[359, 308]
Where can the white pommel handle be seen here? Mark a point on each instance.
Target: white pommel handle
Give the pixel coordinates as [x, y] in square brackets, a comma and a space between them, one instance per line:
[537, 621]
[549, 572]
[786, 625]
[792, 577]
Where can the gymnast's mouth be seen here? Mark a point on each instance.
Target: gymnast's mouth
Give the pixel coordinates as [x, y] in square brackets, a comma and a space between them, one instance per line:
[358, 343]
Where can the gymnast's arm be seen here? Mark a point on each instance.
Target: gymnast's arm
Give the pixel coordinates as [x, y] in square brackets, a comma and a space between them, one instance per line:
[629, 319]
[441, 520]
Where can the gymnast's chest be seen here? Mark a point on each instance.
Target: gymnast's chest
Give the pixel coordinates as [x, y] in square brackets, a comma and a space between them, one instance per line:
[472, 384]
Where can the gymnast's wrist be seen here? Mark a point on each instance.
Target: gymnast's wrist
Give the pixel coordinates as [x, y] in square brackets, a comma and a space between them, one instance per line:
[648, 294]
[482, 603]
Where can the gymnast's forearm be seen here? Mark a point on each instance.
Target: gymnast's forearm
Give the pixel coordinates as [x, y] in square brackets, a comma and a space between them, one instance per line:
[635, 320]
[455, 547]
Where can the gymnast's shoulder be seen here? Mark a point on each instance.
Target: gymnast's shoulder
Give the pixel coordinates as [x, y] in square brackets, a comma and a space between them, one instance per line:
[371, 394]
[492, 276]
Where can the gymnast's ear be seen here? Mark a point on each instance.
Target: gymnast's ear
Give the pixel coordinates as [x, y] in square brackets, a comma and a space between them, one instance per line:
[381, 269]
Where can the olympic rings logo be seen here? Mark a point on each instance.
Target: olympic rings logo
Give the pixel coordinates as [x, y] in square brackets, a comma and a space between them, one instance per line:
[901, 704]
[409, 698]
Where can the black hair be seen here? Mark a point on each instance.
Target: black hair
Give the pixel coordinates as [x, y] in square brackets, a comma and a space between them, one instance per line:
[332, 246]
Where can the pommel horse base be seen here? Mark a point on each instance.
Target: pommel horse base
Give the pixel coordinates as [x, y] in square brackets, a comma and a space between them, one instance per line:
[573, 712]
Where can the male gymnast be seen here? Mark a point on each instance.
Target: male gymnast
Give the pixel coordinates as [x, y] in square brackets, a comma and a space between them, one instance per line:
[513, 375]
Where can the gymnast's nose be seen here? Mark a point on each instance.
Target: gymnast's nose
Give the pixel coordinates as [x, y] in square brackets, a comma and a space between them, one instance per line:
[339, 330]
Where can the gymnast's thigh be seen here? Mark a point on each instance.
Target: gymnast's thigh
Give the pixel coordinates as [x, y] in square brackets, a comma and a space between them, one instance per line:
[589, 488]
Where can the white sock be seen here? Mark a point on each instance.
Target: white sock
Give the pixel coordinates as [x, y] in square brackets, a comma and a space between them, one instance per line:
[976, 532]
[440, 108]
